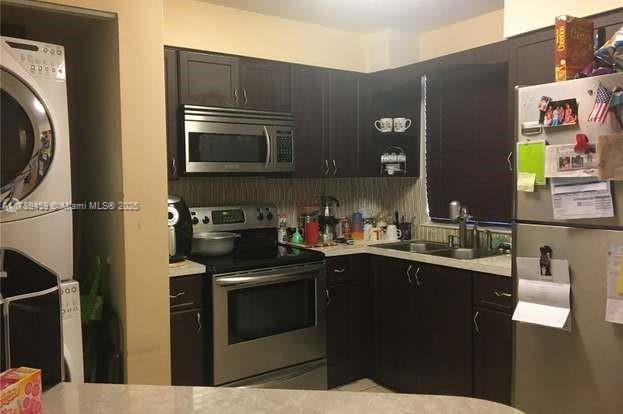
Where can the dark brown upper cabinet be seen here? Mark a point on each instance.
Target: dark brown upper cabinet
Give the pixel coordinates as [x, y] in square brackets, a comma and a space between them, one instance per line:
[325, 103]
[172, 105]
[209, 80]
[228, 81]
[265, 85]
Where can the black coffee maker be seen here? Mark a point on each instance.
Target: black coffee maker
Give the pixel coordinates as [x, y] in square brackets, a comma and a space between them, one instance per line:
[180, 229]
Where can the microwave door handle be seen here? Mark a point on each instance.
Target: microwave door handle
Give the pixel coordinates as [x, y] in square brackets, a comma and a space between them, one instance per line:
[267, 135]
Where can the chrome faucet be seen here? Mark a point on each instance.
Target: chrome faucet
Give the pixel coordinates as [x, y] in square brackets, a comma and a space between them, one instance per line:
[459, 214]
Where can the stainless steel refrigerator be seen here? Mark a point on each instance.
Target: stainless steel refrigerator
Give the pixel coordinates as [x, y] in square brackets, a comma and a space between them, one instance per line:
[557, 371]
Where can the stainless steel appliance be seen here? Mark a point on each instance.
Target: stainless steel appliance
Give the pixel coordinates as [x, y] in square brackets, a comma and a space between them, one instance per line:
[180, 229]
[221, 140]
[556, 371]
[268, 303]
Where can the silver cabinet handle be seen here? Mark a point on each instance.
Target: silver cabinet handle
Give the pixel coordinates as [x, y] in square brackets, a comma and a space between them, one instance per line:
[409, 274]
[244, 95]
[328, 295]
[476, 322]
[334, 168]
[177, 295]
[173, 166]
[236, 95]
[326, 163]
[198, 322]
[342, 270]
[417, 277]
[508, 160]
[501, 294]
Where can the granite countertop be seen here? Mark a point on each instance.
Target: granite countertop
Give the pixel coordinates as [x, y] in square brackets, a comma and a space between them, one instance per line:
[496, 265]
[72, 398]
[185, 267]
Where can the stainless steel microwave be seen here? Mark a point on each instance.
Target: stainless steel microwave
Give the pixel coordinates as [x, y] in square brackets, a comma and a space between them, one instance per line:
[222, 140]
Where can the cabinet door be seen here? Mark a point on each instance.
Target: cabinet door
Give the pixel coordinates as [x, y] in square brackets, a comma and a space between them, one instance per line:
[209, 80]
[444, 331]
[343, 120]
[532, 58]
[172, 107]
[493, 352]
[187, 348]
[343, 314]
[394, 325]
[309, 85]
[265, 85]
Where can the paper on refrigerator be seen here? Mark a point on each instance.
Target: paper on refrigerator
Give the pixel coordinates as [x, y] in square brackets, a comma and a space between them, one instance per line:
[564, 161]
[614, 295]
[581, 198]
[543, 299]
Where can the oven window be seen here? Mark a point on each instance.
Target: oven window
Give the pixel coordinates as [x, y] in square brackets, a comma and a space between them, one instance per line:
[263, 311]
[205, 147]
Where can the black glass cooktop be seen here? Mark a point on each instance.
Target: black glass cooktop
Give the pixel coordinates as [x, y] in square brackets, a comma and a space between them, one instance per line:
[258, 258]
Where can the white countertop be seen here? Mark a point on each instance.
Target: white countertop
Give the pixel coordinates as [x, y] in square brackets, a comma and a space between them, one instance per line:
[71, 398]
[496, 265]
[186, 267]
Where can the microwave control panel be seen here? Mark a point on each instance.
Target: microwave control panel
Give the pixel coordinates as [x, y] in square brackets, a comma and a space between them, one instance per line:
[285, 147]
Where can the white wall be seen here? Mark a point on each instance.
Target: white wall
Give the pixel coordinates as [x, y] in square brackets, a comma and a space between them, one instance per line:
[522, 16]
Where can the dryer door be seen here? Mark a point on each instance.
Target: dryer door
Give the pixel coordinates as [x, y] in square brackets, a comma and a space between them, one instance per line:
[27, 140]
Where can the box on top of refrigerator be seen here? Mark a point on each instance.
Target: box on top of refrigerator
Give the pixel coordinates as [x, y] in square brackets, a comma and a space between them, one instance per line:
[20, 391]
[573, 49]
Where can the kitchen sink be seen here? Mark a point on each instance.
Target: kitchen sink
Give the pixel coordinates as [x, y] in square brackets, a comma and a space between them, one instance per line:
[461, 253]
[414, 246]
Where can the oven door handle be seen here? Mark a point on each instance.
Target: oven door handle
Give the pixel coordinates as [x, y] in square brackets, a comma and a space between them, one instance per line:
[263, 279]
[268, 149]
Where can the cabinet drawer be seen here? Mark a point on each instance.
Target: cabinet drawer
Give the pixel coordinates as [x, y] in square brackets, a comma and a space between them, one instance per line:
[186, 292]
[339, 270]
[492, 291]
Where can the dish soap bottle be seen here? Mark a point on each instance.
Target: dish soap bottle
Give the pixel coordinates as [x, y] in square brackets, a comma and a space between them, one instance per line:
[296, 237]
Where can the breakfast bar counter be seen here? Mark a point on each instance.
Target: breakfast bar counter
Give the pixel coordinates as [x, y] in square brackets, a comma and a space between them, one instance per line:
[71, 398]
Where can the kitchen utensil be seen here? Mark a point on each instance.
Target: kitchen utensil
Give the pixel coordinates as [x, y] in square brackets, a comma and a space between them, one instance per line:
[392, 233]
[401, 124]
[213, 243]
[357, 231]
[180, 229]
[384, 124]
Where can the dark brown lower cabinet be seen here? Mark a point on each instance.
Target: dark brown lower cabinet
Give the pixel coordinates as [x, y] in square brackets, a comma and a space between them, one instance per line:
[348, 316]
[187, 348]
[493, 347]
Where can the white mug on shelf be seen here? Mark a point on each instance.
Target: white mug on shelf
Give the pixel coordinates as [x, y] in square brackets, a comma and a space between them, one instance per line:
[384, 124]
[392, 233]
[401, 124]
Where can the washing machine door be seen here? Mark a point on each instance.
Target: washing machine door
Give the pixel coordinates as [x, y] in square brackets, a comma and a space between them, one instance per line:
[27, 140]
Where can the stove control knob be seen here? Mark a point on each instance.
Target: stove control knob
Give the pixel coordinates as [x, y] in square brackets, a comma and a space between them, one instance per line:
[269, 216]
[260, 216]
[205, 220]
[195, 220]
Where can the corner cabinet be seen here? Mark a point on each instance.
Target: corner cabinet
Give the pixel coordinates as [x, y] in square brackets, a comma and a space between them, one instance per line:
[325, 103]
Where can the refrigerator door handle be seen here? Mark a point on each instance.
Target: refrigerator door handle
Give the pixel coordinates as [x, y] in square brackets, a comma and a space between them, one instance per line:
[509, 161]
[476, 322]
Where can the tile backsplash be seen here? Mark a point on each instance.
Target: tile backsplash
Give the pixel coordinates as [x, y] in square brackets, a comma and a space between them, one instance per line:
[386, 194]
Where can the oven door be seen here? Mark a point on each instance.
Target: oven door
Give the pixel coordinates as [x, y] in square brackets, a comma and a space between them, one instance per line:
[269, 319]
[215, 147]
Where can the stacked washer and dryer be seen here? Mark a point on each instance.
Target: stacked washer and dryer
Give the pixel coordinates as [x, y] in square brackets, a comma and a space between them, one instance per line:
[35, 218]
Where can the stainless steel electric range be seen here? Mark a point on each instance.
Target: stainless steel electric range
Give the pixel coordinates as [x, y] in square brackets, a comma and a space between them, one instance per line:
[268, 303]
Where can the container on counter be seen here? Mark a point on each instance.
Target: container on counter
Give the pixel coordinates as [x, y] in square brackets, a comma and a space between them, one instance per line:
[347, 229]
[311, 232]
[357, 226]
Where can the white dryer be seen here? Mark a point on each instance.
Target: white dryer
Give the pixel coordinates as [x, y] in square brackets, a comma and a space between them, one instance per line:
[35, 187]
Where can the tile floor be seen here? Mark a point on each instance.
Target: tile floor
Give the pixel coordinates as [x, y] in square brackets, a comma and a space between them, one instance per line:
[363, 385]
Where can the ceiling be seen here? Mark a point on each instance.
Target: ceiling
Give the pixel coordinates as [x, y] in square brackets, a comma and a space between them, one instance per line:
[367, 16]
